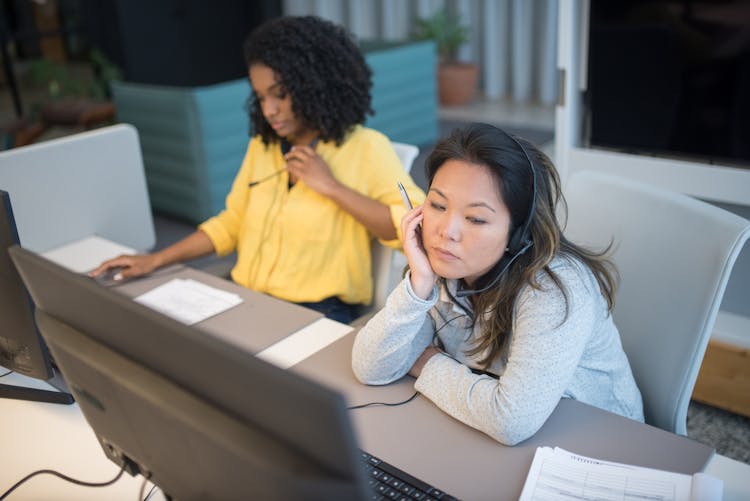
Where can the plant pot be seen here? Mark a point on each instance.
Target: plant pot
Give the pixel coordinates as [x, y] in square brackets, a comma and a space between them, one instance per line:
[457, 83]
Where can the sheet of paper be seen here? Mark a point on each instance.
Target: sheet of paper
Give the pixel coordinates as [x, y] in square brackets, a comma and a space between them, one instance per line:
[561, 475]
[188, 301]
[87, 253]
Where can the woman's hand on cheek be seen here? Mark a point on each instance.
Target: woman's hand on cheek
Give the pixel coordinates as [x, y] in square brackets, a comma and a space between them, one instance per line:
[423, 278]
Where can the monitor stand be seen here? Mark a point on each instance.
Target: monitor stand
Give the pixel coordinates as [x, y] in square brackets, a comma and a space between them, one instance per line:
[62, 396]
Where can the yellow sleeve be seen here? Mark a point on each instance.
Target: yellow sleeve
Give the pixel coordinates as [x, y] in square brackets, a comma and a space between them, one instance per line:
[385, 171]
[223, 229]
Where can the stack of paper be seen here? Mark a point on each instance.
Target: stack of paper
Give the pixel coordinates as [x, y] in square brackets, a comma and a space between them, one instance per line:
[188, 301]
[557, 474]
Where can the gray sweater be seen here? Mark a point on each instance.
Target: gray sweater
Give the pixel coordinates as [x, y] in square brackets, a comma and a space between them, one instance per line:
[546, 359]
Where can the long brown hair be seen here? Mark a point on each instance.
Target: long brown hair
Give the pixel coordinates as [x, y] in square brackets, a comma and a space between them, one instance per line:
[522, 171]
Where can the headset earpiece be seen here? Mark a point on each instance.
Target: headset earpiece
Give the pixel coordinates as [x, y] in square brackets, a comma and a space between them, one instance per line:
[520, 240]
[516, 241]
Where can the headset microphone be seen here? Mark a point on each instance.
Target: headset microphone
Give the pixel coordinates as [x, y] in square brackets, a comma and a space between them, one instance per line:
[286, 146]
[520, 240]
[496, 279]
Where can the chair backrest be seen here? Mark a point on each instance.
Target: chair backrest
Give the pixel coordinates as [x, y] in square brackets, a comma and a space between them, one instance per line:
[387, 263]
[85, 184]
[674, 254]
[406, 153]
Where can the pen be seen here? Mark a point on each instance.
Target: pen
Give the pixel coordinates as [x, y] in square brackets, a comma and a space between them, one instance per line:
[404, 196]
[409, 206]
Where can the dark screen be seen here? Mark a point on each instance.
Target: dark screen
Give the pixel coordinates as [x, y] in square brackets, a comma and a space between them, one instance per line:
[21, 348]
[671, 78]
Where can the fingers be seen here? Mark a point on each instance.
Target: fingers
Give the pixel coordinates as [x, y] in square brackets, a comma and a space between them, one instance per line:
[123, 261]
[410, 223]
[423, 277]
[297, 160]
[300, 154]
[303, 163]
[126, 266]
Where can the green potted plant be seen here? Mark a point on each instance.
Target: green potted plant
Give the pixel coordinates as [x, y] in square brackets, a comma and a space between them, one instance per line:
[457, 81]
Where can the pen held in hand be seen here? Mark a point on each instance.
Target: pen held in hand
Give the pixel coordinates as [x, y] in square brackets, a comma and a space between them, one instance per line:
[407, 203]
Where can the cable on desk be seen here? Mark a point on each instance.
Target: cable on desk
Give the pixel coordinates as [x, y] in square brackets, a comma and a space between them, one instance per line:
[6, 374]
[395, 404]
[151, 492]
[143, 488]
[64, 477]
[388, 404]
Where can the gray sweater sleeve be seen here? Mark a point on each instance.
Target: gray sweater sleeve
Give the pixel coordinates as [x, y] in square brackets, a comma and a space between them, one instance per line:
[388, 345]
[542, 357]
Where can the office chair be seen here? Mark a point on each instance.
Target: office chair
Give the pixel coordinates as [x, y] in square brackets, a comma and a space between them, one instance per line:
[387, 263]
[406, 153]
[674, 254]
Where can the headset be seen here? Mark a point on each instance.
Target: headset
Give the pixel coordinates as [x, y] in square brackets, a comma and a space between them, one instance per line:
[520, 239]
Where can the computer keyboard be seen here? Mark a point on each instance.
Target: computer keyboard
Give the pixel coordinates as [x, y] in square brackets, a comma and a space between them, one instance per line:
[388, 482]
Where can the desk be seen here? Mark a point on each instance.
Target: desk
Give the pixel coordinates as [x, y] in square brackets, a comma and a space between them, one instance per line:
[243, 325]
[36, 435]
[470, 465]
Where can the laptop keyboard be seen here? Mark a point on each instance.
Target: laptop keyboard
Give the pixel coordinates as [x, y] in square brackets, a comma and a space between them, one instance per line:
[388, 482]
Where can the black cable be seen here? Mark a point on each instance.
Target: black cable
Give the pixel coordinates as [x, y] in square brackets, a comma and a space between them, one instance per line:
[151, 492]
[254, 267]
[64, 477]
[266, 178]
[446, 322]
[143, 488]
[6, 374]
[387, 404]
[396, 404]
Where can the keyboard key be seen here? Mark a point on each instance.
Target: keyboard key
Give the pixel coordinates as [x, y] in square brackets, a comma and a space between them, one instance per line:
[389, 482]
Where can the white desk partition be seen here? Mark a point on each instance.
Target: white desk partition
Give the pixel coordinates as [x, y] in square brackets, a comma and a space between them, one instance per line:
[76, 186]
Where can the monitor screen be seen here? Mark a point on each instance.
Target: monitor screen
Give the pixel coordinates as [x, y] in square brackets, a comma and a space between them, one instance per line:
[200, 418]
[21, 348]
[670, 78]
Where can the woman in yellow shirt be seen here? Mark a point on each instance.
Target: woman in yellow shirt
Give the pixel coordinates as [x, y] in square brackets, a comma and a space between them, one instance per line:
[315, 185]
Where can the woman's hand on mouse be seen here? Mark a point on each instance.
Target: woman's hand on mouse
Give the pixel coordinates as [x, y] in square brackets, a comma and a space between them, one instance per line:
[130, 266]
[423, 277]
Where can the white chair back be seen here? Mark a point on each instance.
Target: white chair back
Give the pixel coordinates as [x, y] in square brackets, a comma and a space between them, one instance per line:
[388, 263]
[674, 254]
[406, 153]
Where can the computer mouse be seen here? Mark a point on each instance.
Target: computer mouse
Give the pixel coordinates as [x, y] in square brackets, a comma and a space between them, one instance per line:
[107, 277]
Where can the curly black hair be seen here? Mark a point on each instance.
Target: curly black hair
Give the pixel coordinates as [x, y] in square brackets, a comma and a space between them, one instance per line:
[320, 66]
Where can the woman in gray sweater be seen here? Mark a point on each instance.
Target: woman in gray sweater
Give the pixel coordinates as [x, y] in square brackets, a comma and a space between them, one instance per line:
[499, 316]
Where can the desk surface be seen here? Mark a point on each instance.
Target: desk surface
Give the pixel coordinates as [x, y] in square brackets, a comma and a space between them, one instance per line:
[36, 435]
[470, 465]
[253, 325]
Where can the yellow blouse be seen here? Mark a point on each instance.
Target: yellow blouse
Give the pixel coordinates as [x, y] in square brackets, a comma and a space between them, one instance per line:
[297, 245]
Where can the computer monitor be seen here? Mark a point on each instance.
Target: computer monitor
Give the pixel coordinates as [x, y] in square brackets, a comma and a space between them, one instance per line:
[199, 417]
[21, 348]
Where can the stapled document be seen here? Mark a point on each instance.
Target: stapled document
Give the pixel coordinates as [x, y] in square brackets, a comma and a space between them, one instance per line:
[557, 474]
[188, 301]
